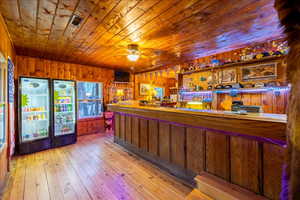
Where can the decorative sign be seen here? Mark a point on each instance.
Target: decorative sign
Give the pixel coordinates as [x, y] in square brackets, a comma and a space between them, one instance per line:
[257, 72]
[10, 79]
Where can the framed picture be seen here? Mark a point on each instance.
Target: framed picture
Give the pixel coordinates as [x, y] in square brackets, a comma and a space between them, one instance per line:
[144, 89]
[216, 78]
[229, 76]
[262, 71]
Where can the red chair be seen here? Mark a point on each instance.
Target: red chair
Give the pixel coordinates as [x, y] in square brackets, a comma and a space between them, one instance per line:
[108, 120]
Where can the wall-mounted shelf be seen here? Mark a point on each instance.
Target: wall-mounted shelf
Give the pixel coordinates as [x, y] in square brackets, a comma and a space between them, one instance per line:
[240, 90]
[269, 58]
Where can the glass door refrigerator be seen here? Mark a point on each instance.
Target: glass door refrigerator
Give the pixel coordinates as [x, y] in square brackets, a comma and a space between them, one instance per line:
[64, 109]
[34, 115]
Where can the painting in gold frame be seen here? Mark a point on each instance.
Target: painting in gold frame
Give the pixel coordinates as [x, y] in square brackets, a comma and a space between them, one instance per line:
[259, 72]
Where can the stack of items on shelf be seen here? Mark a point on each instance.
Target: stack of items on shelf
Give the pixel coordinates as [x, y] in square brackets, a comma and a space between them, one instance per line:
[271, 49]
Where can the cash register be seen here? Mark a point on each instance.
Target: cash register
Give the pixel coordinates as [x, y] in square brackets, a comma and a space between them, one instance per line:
[238, 106]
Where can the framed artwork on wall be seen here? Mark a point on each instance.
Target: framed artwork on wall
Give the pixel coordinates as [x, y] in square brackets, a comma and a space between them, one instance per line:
[216, 78]
[229, 76]
[258, 72]
[144, 89]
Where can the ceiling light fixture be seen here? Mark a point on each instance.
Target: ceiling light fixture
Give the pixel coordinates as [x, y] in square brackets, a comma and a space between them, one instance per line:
[133, 57]
[134, 53]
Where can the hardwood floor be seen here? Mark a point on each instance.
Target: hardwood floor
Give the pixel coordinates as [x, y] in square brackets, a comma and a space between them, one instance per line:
[94, 168]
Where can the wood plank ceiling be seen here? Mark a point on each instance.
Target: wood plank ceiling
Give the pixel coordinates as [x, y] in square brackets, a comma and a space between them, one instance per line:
[167, 31]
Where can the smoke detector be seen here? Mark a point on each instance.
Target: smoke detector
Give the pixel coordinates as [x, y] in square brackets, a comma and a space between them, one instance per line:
[76, 20]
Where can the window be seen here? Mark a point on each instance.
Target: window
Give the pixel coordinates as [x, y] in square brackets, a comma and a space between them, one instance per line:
[2, 99]
[90, 99]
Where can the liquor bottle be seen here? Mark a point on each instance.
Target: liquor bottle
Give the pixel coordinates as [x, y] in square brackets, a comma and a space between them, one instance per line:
[69, 107]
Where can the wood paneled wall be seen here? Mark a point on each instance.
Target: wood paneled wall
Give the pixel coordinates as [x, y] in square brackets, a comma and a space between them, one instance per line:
[186, 151]
[7, 49]
[271, 102]
[160, 81]
[29, 66]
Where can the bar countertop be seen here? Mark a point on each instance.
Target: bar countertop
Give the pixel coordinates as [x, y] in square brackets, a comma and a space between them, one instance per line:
[280, 118]
[261, 125]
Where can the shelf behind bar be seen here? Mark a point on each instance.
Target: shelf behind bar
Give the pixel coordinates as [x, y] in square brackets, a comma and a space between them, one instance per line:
[253, 61]
[240, 90]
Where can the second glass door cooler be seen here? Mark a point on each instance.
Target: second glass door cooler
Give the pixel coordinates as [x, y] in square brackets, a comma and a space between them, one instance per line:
[64, 109]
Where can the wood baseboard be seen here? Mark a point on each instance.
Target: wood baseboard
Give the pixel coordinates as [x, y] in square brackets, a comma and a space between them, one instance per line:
[219, 189]
[197, 195]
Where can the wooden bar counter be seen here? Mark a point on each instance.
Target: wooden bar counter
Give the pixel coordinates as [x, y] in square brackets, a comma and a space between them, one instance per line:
[246, 150]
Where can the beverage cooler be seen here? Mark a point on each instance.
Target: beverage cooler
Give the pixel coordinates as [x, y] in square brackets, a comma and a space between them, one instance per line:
[64, 118]
[47, 114]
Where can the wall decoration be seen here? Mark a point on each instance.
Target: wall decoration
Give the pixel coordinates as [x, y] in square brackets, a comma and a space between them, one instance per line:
[262, 71]
[216, 78]
[144, 89]
[11, 104]
[10, 79]
[229, 76]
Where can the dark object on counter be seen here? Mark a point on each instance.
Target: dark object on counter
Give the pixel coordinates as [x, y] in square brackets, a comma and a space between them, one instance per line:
[235, 106]
[143, 102]
[227, 86]
[251, 109]
[271, 84]
[259, 85]
[277, 53]
[168, 104]
[219, 87]
[210, 87]
[237, 86]
[266, 54]
[249, 85]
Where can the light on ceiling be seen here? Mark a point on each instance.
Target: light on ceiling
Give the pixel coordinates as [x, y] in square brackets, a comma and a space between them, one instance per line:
[133, 57]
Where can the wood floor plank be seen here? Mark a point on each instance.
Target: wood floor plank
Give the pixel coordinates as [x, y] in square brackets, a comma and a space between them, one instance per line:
[30, 192]
[56, 192]
[17, 189]
[94, 168]
[41, 178]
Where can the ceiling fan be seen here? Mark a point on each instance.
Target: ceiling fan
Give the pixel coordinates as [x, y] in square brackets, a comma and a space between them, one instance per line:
[134, 52]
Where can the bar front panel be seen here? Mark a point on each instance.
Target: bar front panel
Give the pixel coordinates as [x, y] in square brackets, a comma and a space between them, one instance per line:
[187, 151]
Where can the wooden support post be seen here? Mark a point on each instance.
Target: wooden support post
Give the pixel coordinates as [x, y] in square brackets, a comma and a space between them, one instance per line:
[289, 15]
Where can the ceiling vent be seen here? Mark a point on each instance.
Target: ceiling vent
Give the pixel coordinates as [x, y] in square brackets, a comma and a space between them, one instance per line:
[76, 20]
